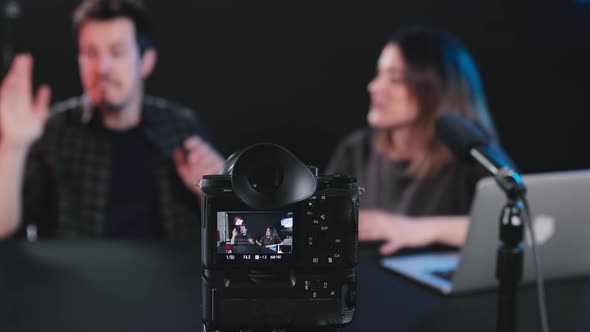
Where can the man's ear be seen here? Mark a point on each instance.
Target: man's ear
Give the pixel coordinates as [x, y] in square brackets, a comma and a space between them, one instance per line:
[148, 62]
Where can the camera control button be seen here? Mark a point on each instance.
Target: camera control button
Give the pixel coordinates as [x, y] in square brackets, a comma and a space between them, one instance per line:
[312, 240]
[335, 246]
[314, 285]
[334, 257]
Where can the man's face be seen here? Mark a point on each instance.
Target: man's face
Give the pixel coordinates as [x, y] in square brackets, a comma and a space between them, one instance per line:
[110, 64]
[243, 230]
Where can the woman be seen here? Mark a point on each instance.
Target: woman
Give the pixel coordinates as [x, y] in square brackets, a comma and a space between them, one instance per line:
[416, 194]
[270, 238]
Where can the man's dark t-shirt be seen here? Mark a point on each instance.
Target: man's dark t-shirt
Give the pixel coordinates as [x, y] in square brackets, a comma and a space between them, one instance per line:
[243, 240]
[132, 211]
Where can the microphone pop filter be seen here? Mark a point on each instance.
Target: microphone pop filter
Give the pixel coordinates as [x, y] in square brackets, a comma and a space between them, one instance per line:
[459, 134]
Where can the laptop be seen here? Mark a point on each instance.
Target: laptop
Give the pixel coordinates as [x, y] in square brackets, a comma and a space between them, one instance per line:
[560, 208]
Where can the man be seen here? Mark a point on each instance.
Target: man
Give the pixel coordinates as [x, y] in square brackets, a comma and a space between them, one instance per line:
[113, 163]
[243, 238]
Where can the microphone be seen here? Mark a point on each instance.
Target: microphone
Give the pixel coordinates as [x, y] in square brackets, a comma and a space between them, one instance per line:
[469, 143]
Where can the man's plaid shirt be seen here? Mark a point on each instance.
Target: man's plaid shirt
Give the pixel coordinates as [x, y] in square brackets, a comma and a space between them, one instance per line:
[68, 171]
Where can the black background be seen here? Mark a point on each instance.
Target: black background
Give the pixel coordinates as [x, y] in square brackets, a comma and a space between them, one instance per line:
[256, 223]
[295, 72]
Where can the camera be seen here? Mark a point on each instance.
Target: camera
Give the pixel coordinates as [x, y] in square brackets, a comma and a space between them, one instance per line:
[279, 244]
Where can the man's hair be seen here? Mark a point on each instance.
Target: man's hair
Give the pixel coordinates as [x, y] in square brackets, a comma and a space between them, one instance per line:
[103, 10]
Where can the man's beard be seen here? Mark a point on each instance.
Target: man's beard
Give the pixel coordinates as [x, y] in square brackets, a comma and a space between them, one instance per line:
[107, 105]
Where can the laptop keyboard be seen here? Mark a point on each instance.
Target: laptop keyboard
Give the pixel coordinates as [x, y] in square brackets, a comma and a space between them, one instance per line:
[447, 275]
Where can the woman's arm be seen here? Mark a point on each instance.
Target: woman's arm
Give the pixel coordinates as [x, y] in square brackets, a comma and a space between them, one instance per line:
[451, 230]
[399, 231]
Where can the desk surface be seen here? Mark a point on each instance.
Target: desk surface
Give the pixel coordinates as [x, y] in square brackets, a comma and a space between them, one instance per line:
[113, 286]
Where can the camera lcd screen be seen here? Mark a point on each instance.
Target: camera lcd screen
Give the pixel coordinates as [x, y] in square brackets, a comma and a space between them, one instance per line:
[254, 236]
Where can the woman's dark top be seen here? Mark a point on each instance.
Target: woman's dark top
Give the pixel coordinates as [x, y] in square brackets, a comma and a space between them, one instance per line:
[388, 187]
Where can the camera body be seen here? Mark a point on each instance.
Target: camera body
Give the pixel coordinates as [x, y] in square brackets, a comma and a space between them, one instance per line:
[288, 266]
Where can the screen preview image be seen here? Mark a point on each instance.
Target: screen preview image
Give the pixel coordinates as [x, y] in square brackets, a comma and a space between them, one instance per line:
[254, 235]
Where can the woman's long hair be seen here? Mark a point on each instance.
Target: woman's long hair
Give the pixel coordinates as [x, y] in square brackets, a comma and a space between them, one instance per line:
[442, 76]
[273, 232]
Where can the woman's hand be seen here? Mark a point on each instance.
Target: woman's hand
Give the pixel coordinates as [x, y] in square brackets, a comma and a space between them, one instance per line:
[397, 231]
